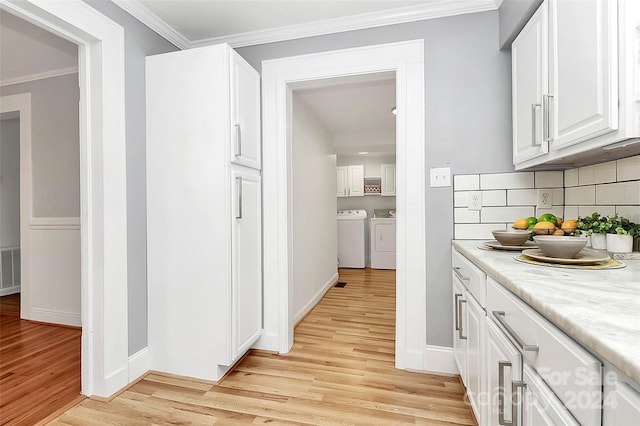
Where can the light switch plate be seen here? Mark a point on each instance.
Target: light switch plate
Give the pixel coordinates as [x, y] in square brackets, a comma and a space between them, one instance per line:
[441, 176]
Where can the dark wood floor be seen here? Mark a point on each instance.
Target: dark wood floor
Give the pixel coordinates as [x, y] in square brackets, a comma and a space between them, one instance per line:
[340, 371]
[39, 366]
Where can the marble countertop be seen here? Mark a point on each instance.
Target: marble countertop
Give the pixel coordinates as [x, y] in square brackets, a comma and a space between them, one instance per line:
[600, 309]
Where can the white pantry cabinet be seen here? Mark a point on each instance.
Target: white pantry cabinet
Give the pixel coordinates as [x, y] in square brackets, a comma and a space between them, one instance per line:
[388, 179]
[204, 237]
[573, 80]
[350, 181]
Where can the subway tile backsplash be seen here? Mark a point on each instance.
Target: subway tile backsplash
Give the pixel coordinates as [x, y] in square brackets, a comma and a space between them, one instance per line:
[608, 188]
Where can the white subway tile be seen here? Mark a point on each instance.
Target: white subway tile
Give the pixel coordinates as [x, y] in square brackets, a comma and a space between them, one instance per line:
[494, 198]
[522, 197]
[466, 182]
[555, 210]
[464, 215]
[469, 231]
[618, 193]
[504, 214]
[603, 210]
[598, 173]
[553, 179]
[571, 212]
[629, 168]
[558, 197]
[580, 195]
[507, 180]
[630, 212]
[571, 178]
[460, 199]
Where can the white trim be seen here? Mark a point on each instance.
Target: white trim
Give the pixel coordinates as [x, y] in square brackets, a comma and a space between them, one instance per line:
[54, 223]
[56, 317]
[151, 20]
[10, 290]
[39, 76]
[315, 299]
[429, 10]
[102, 184]
[407, 60]
[139, 364]
[439, 360]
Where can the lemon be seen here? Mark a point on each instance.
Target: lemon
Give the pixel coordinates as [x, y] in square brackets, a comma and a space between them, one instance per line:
[544, 228]
[521, 224]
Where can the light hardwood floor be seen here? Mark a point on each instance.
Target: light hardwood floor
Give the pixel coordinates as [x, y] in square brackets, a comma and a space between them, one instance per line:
[39, 366]
[340, 371]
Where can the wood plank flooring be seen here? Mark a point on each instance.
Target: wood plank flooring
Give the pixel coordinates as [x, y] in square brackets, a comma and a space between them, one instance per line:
[39, 366]
[339, 372]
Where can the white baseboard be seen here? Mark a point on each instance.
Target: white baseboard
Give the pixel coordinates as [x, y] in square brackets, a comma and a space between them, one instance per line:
[268, 342]
[315, 299]
[55, 317]
[139, 364]
[439, 360]
[10, 290]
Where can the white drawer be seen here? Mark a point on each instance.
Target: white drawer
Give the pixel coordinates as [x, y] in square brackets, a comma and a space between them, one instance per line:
[474, 279]
[573, 374]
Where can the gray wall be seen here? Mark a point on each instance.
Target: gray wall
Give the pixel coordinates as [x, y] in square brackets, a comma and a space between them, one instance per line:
[140, 41]
[468, 121]
[10, 182]
[514, 14]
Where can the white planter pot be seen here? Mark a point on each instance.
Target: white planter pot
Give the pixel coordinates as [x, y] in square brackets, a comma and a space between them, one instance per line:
[619, 243]
[599, 241]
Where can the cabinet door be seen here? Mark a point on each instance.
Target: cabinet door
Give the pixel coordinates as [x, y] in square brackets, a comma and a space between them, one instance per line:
[459, 338]
[583, 70]
[246, 257]
[245, 113]
[355, 179]
[504, 366]
[621, 402]
[529, 54]
[537, 404]
[475, 356]
[341, 181]
[388, 183]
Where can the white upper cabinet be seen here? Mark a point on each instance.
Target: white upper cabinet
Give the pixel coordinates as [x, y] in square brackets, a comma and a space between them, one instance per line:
[388, 180]
[350, 181]
[575, 81]
[245, 112]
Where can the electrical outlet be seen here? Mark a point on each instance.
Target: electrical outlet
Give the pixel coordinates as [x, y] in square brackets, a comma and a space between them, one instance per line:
[441, 176]
[474, 200]
[545, 199]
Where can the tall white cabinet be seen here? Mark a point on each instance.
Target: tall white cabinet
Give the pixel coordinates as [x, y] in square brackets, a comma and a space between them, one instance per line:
[204, 236]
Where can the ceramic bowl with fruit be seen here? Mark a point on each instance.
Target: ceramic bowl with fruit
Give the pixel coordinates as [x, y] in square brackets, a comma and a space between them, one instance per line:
[560, 247]
[511, 237]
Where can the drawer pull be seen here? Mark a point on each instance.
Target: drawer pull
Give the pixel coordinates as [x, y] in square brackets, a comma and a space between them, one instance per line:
[499, 316]
[460, 336]
[456, 270]
[456, 312]
[501, 420]
[516, 401]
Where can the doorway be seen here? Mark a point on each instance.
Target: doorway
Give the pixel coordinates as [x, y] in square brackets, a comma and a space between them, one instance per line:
[406, 60]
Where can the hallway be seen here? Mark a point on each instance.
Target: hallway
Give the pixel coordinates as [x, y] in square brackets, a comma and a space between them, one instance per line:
[339, 371]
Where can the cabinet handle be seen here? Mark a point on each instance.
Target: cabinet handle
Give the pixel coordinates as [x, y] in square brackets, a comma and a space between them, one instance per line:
[456, 311]
[501, 420]
[239, 189]
[460, 336]
[516, 401]
[499, 316]
[238, 140]
[534, 133]
[546, 123]
[458, 272]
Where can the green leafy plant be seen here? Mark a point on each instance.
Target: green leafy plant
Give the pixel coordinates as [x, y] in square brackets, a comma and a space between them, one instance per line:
[594, 224]
[622, 226]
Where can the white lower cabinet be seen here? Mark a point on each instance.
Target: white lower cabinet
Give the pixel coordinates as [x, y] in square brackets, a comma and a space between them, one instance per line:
[537, 404]
[504, 367]
[621, 403]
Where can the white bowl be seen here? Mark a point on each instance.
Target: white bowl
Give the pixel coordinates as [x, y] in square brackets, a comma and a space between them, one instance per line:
[558, 246]
[511, 237]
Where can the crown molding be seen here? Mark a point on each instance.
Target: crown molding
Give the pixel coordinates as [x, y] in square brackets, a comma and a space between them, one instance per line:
[151, 20]
[39, 76]
[429, 10]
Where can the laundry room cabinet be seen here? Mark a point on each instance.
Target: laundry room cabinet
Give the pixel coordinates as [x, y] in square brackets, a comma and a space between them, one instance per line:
[350, 181]
[204, 201]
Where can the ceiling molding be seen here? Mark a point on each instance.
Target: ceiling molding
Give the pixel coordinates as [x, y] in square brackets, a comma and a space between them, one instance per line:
[151, 20]
[39, 76]
[429, 10]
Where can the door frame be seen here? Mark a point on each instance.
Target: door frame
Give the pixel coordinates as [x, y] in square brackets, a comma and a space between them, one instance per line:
[102, 184]
[406, 59]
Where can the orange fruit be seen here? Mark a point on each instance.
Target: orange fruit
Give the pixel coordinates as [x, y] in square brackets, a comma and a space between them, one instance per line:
[558, 232]
[558, 221]
[521, 224]
[544, 228]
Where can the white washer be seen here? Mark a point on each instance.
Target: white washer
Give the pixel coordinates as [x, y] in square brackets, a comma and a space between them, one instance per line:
[383, 243]
[351, 234]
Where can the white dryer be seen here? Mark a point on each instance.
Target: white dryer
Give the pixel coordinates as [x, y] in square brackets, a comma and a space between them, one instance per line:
[383, 243]
[351, 235]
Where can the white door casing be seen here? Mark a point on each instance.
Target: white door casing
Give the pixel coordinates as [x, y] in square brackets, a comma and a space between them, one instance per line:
[102, 184]
[407, 60]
